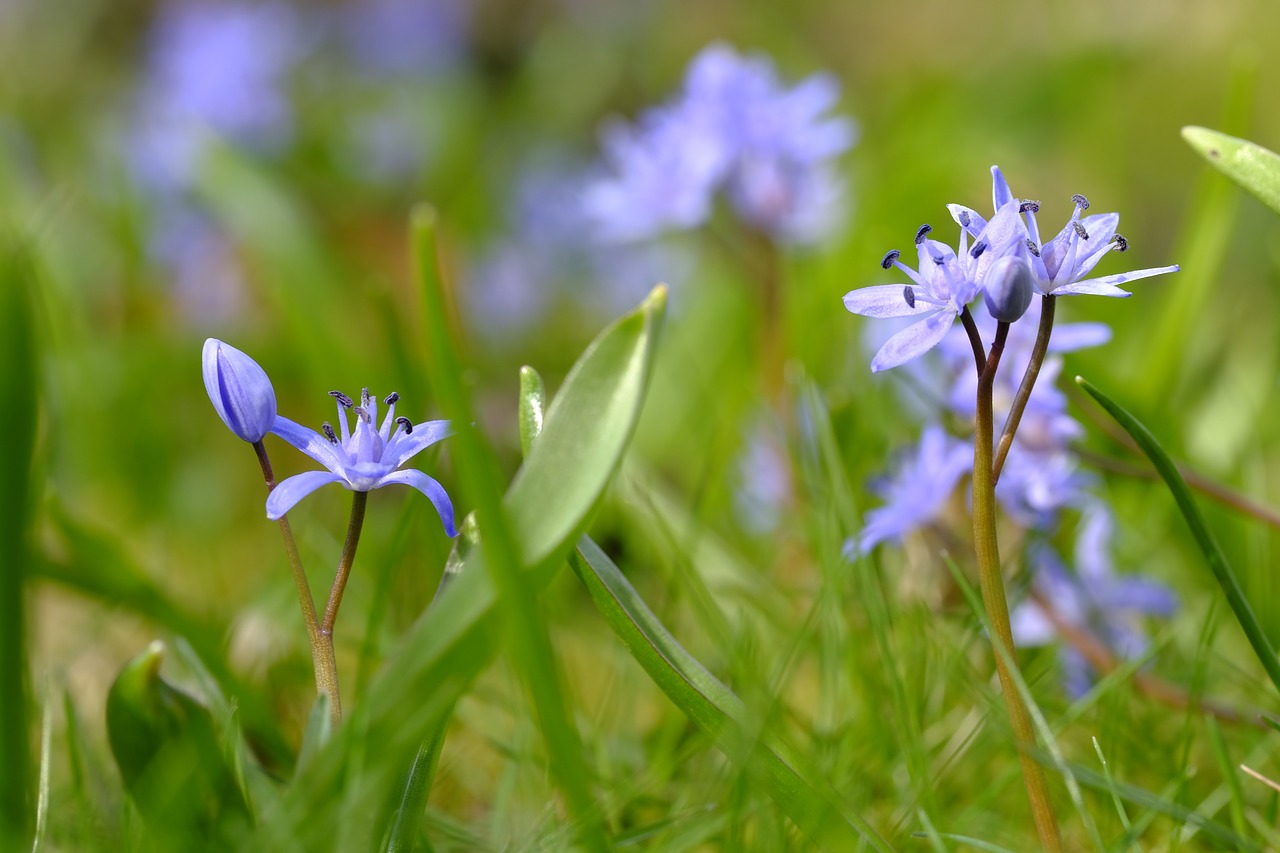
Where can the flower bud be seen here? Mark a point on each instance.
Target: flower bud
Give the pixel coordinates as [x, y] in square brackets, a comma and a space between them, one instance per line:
[239, 390]
[1008, 287]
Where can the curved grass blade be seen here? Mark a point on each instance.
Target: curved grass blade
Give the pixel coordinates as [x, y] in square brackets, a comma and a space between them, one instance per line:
[407, 822]
[1253, 167]
[1195, 522]
[715, 709]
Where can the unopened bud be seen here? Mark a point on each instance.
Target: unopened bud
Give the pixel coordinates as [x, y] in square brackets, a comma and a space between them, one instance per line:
[239, 389]
[1008, 288]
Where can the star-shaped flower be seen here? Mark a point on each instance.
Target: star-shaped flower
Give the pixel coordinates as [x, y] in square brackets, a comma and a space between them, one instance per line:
[366, 459]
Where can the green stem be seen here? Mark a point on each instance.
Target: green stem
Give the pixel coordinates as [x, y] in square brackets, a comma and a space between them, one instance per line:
[322, 656]
[358, 502]
[1047, 305]
[991, 580]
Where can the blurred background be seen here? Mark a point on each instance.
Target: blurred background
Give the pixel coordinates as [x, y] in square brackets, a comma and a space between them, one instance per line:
[245, 171]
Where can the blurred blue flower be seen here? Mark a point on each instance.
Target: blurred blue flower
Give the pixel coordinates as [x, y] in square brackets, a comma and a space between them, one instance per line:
[734, 126]
[1060, 265]
[212, 68]
[943, 285]
[239, 389]
[367, 459]
[1093, 598]
[764, 477]
[916, 492]
[402, 37]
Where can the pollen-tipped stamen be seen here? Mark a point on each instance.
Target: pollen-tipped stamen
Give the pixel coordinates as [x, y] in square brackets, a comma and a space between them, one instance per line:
[1032, 247]
[977, 250]
[1079, 229]
[391, 399]
[1120, 243]
[910, 296]
[406, 423]
[889, 257]
[922, 232]
[343, 400]
[1080, 201]
[327, 429]
[1029, 207]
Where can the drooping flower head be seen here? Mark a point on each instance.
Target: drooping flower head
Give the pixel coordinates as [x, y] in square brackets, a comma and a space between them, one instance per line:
[239, 389]
[364, 459]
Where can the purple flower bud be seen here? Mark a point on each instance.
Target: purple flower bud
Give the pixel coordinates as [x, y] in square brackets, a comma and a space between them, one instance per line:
[239, 390]
[1008, 288]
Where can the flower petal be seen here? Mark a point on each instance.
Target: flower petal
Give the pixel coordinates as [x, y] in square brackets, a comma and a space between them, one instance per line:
[239, 389]
[961, 214]
[404, 446]
[1069, 337]
[430, 488]
[1092, 287]
[1000, 192]
[311, 443]
[913, 340]
[884, 300]
[293, 489]
[1121, 278]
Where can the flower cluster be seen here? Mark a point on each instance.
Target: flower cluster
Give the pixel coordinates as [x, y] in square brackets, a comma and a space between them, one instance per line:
[361, 460]
[990, 278]
[734, 127]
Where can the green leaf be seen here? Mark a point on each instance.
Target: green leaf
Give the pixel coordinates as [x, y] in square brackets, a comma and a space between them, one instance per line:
[1190, 512]
[533, 405]
[19, 380]
[1250, 165]
[586, 431]
[171, 759]
[716, 710]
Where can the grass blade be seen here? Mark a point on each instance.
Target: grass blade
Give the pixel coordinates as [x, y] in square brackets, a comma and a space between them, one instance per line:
[1195, 521]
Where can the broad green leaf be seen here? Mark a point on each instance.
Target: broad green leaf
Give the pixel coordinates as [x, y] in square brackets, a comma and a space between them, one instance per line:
[716, 710]
[587, 428]
[171, 759]
[1195, 522]
[533, 406]
[1248, 164]
[19, 380]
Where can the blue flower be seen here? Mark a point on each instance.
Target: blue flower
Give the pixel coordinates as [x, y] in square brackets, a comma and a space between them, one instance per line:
[1093, 598]
[239, 389]
[943, 285]
[367, 459]
[1059, 266]
[918, 490]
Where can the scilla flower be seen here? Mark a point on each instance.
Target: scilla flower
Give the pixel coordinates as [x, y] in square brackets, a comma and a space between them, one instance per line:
[240, 391]
[366, 459]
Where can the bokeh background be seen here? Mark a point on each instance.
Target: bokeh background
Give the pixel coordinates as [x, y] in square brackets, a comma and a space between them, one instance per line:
[246, 170]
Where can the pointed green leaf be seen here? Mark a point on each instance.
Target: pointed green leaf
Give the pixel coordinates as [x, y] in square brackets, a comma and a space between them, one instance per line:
[716, 710]
[533, 404]
[1195, 522]
[1250, 165]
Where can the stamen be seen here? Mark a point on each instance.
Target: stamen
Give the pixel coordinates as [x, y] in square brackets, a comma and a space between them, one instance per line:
[977, 250]
[406, 423]
[889, 257]
[1122, 245]
[1032, 206]
[938, 259]
[1079, 229]
[364, 414]
[1080, 201]
[343, 400]
[327, 428]
[1032, 247]
[922, 232]
[909, 295]
[964, 219]
[391, 399]
[364, 396]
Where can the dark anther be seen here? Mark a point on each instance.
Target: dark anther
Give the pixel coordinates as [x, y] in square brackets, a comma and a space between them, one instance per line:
[391, 399]
[1080, 201]
[1122, 245]
[977, 250]
[889, 257]
[964, 219]
[363, 413]
[1032, 247]
[406, 423]
[329, 433]
[343, 400]
[938, 259]
[921, 232]
[364, 396]
[1083, 234]
[1032, 206]
[909, 295]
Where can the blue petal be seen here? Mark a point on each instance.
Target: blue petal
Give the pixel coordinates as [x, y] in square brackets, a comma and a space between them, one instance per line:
[430, 488]
[1091, 287]
[1140, 594]
[404, 446]
[311, 443]
[1000, 192]
[884, 300]
[287, 493]
[1069, 337]
[912, 341]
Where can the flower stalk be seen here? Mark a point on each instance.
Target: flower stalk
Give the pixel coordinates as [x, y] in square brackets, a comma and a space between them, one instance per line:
[323, 659]
[991, 581]
[1019, 405]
